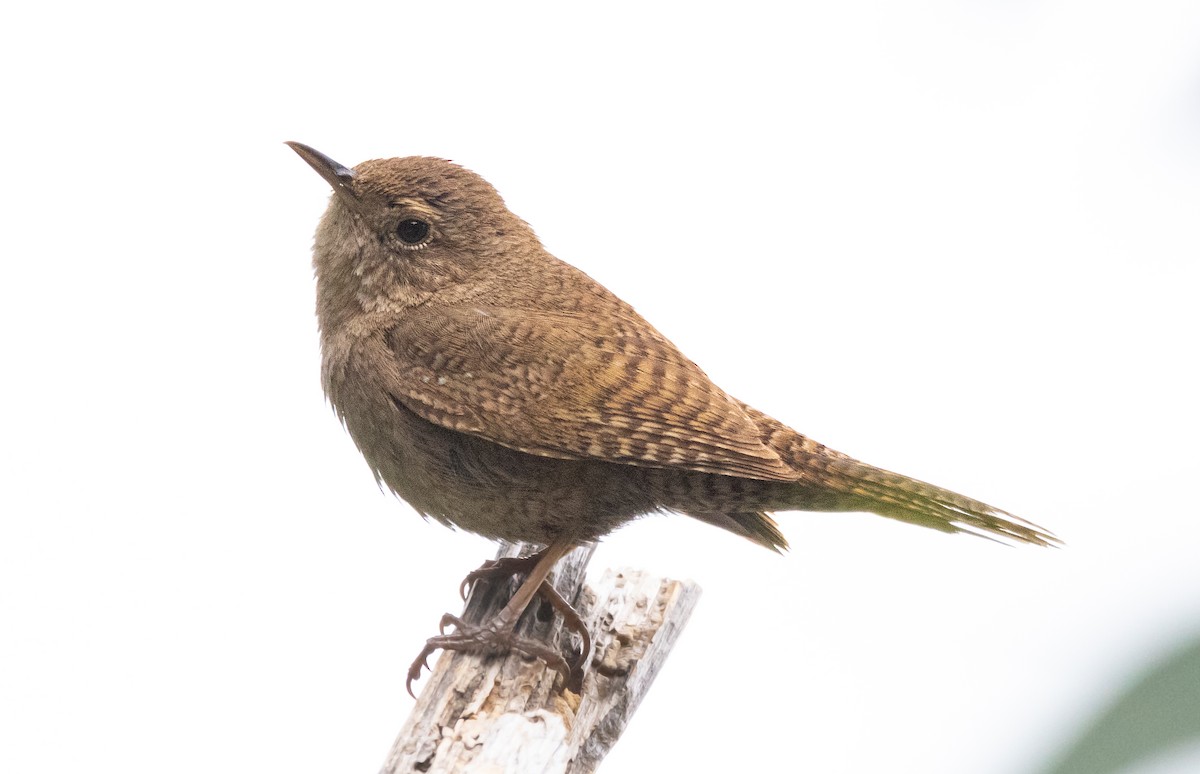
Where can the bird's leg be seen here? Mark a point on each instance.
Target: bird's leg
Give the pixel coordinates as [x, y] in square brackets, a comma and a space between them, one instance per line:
[495, 569]
[573, 623]
[497, 635]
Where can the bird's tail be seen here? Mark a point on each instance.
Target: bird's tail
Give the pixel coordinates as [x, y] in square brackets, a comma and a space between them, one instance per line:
[867, 488]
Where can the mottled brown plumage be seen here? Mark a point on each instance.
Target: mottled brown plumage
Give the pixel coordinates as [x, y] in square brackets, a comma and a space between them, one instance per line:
[500, 390]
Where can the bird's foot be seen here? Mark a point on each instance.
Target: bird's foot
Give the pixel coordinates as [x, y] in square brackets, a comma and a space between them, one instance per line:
[498, 569]
[505, 567]
[488, 640]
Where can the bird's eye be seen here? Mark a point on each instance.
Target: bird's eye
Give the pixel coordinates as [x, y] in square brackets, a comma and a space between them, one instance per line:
[412, 231]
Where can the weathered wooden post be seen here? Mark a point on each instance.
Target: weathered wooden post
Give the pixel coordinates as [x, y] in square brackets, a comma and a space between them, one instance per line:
[479, 714]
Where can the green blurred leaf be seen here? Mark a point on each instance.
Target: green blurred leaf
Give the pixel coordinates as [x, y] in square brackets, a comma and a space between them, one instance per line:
[1159, 711]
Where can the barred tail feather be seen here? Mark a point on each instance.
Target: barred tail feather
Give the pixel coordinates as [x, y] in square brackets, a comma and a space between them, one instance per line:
[916, 502]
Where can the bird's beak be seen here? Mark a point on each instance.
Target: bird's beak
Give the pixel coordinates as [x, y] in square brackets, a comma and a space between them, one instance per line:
[338, 176]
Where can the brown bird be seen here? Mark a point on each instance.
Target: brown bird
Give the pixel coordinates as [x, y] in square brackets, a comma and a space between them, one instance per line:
[499, 390]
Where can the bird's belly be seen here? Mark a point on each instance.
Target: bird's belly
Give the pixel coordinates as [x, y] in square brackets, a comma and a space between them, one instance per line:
[485, 488]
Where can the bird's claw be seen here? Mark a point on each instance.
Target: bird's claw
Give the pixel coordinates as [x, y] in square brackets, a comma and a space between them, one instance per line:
[485, 640]
[450, 620]
[417, 666]
[505, 567]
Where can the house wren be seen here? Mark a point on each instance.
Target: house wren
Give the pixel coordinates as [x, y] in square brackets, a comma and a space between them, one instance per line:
[499, 390]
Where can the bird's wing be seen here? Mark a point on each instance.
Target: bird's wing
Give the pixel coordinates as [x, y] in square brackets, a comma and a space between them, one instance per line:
[563, 385]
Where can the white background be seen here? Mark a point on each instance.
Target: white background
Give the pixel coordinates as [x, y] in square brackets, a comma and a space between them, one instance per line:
[955, 239]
